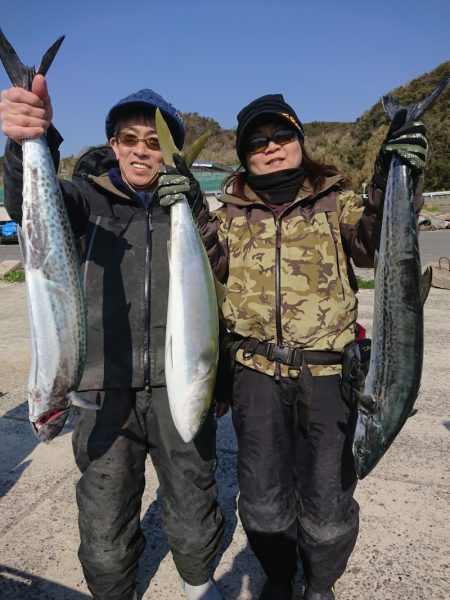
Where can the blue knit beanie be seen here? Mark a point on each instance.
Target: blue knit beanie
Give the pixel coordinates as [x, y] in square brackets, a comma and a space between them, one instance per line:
[149, 99]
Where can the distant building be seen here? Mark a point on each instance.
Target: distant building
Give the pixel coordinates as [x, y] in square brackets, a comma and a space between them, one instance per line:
[211, 176]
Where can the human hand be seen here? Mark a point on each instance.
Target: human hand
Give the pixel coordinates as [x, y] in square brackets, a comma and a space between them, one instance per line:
[26, 115]
[178, 182]
[172, 186]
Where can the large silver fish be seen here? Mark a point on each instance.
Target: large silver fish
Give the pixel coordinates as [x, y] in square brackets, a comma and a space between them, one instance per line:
[55, 296]
[192, 333]
[395, 370]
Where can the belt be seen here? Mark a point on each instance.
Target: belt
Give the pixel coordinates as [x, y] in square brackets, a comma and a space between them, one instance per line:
[293, 357]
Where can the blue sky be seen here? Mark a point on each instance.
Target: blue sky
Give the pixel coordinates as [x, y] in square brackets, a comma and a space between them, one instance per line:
[332, 59]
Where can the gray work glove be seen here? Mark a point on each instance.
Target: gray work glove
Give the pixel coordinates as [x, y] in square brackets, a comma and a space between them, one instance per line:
[176, 183]
[409, 142]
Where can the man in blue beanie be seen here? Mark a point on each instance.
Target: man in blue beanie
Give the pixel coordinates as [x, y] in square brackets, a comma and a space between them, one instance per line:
[114, 210]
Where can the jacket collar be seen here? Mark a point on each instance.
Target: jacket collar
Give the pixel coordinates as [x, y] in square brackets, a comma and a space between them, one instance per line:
[252, 199]
[103, 181]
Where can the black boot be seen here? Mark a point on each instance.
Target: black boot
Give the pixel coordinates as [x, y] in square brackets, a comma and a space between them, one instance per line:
[311, 594]
[275, 590]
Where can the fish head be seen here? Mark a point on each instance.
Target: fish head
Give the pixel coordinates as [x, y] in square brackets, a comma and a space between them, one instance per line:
[368, 443]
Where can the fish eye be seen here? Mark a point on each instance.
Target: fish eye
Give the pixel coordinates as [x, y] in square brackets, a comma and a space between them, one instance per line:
[360, 451]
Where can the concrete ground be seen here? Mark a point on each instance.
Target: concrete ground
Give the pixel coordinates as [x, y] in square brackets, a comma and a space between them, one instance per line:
[402, 551]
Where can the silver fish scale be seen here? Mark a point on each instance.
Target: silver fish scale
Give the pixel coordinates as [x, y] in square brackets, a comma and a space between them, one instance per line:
[55, 296]
[192, 325]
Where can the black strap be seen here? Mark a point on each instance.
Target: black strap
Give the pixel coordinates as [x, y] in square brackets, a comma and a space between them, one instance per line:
[293, 357]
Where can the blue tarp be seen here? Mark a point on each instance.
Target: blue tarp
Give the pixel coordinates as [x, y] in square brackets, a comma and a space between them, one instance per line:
[9, 229]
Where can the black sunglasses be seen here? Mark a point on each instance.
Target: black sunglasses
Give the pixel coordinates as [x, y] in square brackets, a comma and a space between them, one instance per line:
[261, 142]
[130, 140]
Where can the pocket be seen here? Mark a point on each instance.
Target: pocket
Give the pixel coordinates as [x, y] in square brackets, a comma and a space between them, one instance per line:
[355, 366]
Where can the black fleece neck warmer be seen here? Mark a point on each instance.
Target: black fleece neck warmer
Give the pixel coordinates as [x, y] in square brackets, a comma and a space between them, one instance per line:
[279, 187]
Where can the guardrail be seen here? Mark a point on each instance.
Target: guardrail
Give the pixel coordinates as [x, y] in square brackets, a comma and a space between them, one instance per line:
[431, 194]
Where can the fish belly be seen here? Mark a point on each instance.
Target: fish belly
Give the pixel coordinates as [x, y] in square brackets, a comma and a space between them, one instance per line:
[192, 326]
[54, 292]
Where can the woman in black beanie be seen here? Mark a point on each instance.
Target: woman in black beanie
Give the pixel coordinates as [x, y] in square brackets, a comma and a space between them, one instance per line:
[288, 229]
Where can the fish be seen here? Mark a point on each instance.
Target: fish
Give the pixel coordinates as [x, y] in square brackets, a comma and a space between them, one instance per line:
[395, 369]
[57, 315]
[192, 330]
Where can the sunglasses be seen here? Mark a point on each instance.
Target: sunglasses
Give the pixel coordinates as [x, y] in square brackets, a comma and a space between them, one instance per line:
[280, 137]
[130, 140]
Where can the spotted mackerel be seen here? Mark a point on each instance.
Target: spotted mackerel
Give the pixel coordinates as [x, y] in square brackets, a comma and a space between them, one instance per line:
[395, 370]
[55, 297]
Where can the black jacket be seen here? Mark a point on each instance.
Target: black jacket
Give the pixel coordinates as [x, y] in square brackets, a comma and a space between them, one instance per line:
[124, 269]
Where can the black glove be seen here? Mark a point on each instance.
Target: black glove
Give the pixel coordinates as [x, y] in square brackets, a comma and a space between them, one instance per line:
[177, 182]
[409, 142]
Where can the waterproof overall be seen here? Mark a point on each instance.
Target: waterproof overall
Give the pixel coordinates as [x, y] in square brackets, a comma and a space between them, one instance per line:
[296, 475]
[125, 276]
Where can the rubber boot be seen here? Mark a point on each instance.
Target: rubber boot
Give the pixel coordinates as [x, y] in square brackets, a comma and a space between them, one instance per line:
[311, 594]
[275, 590]
[206, 591]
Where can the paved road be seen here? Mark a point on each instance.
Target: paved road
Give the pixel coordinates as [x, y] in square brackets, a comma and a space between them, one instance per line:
[402, 550]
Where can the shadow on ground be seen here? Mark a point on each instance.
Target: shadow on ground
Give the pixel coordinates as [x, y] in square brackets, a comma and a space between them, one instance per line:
[15, 584]
[17, 441]
[244, 565]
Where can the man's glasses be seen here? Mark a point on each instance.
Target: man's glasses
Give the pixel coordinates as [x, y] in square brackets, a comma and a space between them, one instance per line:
[280, 137]
[130, 140]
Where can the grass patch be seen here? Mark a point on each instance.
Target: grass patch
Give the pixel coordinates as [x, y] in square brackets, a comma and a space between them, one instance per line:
[365, 284]
[430, 207]
[16, 276]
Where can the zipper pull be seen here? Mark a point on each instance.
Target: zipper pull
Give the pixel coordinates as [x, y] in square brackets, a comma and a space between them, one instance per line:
[277, 233]
[149, 220]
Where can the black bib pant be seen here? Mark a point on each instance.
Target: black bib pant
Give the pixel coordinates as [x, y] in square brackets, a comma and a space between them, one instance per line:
[111, 446]
[296, 480]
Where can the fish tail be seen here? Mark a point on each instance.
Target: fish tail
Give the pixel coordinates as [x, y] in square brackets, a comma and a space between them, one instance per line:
[413, 111]
[19, 74]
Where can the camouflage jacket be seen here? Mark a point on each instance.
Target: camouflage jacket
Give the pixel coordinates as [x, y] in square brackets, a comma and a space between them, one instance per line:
[289, 279]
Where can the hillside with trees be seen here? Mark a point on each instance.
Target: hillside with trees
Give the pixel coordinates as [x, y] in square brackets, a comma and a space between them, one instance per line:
[350, 146]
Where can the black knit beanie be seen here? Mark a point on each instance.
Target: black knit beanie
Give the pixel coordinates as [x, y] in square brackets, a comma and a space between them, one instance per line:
[268, 105]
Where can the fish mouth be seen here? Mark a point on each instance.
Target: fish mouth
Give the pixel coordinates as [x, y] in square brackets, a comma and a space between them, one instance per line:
[48, 425]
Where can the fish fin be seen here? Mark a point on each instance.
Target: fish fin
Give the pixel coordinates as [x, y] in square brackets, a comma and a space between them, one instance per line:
[22, 244]
[366, 401]
[425, 284]
[413, 111]
[375, 261]
[48, 57]
[191, 155]
[167, 145]
[413, 412]
[19, 74]
[169, 355]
